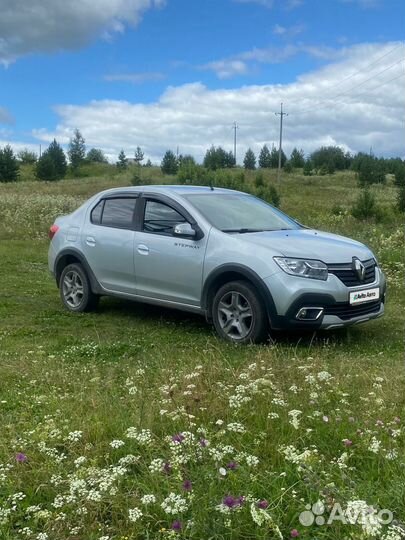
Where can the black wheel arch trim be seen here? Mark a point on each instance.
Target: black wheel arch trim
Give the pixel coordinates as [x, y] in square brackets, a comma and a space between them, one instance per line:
[247, 273]
[94, 284]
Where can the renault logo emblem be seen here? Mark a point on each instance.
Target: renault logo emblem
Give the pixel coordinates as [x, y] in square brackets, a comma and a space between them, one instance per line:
[358, 268]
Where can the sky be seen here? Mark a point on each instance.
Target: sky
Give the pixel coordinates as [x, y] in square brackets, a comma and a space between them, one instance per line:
[177, 74]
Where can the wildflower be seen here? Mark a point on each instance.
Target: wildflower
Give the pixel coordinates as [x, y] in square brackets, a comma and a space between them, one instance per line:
[294, 533]
[148, 499]
[232, 465]
[325, 418]
[178, 438]
[222, 471]
[229, 501]
[263, 504]
[74, 436]
[134, 514]
[375, 445]
[204, 443]
[176, 525]
[295, 422]
[167, 468]
[174, 504]
[20, 457]
[116, 443]
[187, 485]
[347, 442]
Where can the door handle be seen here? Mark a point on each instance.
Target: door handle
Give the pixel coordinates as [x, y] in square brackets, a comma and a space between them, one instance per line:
[142, 249]
[90, 241]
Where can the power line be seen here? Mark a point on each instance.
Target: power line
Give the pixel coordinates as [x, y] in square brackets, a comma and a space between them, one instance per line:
[379, 85]
[281, 114]
[345, 92]
[235, 128]
[366, 67]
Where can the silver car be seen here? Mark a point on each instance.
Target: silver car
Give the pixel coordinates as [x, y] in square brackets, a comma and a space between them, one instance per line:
[227, 255]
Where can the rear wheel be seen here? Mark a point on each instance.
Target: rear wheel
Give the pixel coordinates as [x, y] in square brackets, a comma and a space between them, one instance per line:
[75, 289]
[238, 313]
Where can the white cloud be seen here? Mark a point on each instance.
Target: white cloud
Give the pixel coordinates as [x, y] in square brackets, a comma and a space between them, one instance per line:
[286, 31]
[321, 111]
[135, 78]
[5, 116]
[227, 68]
[244, 62]
[50, 25]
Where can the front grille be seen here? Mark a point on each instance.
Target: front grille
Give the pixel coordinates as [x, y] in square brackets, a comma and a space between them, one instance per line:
[349, 277]
[347, 311]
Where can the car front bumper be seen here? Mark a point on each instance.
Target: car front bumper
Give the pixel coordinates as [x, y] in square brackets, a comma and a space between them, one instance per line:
[290, 294]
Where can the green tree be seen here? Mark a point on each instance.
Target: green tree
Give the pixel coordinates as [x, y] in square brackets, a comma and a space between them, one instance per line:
[249, 161]
[259, 180]
[326, 154]
[288, 168]
[365, 207]
[187, 159]
[401, 198]
[122, 162]
[297, 158]
[264, 158]
[52, 164]
[308, 168]
[76, 150]
[218, 158]
[269, 194]
[9, 167]
[95, 155]
[400, 175]
[27, 157]
[169, 163]
[139, 156]
[149, 163]
[371, 171]
[274, 158]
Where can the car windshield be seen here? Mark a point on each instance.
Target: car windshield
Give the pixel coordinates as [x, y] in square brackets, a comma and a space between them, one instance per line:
[240, 213]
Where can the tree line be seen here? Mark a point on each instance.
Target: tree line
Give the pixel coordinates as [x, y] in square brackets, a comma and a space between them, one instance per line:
[54, 164]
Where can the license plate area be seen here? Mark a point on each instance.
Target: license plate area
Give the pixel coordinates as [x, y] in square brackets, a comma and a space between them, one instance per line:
[365, 295]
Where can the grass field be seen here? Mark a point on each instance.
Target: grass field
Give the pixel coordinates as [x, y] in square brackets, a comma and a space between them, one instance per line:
[136, 422]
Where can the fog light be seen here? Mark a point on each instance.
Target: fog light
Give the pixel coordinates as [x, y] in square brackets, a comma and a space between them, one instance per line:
[309, 313]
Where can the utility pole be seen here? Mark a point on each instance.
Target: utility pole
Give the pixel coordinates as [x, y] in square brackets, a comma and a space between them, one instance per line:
[281, 114]
[235, 128]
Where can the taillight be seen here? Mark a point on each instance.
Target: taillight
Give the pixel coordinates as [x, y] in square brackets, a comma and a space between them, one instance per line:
[52, 231]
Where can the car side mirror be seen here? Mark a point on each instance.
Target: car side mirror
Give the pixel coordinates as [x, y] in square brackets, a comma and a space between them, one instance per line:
[185, 230]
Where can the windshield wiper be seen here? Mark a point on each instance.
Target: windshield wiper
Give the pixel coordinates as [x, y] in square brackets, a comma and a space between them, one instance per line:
[241, 231]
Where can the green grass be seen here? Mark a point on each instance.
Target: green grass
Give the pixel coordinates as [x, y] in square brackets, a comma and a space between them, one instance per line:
[131, 365]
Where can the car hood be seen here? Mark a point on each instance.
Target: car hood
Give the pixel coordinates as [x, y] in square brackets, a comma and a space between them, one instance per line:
[311, 244]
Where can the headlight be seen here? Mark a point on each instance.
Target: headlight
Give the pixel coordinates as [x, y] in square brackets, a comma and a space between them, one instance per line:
[307, 268]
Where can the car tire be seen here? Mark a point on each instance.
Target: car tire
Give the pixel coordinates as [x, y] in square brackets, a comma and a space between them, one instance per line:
[75, 289]
[238, 313]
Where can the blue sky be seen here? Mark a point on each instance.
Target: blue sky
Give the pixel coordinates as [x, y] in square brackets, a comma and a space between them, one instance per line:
[63, 67]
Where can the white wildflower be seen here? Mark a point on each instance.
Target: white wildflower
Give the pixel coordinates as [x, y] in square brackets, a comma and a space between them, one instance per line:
[134, 514]
[116, 443]
[174, 504]
[148, 499]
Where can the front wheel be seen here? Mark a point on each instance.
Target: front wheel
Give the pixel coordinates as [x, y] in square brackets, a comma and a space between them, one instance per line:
[75, 290]
[238, 313]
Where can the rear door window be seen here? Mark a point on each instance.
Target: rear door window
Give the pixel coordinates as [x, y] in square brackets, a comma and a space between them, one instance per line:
[118, 213]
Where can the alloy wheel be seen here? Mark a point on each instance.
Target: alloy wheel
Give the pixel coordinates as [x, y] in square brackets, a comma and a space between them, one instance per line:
[235, 315]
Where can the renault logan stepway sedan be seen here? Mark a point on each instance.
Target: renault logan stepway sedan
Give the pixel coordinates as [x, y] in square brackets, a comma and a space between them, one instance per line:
[230, 256]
